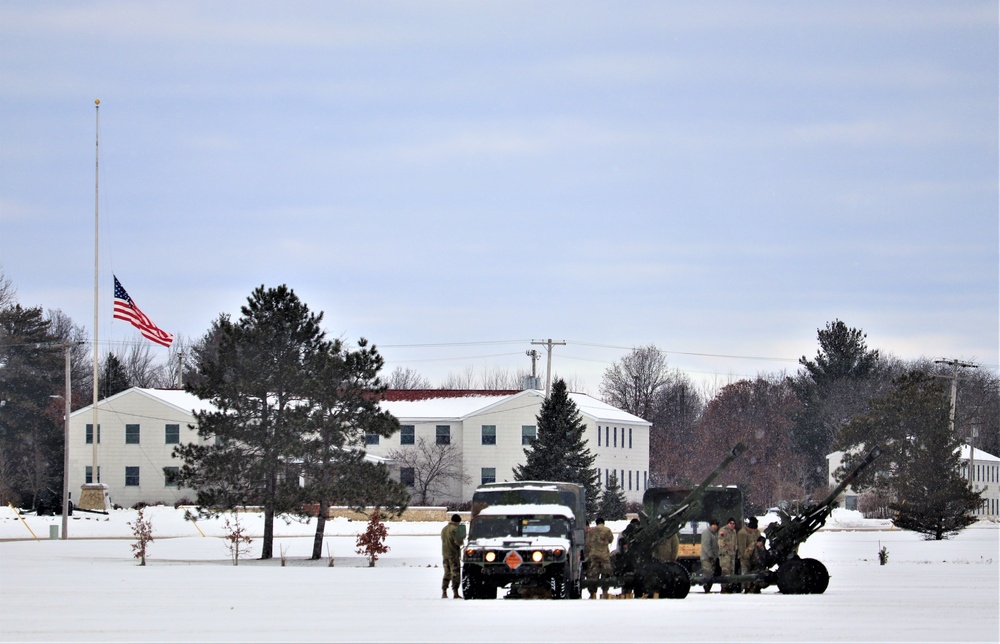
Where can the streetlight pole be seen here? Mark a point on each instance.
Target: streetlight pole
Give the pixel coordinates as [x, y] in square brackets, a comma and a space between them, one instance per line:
[67, 399]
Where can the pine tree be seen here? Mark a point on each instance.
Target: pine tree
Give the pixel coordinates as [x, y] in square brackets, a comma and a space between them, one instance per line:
[113, 378]
[257, 372]
[920, 460]
[559, 452]
[344, 399]
[613, 506]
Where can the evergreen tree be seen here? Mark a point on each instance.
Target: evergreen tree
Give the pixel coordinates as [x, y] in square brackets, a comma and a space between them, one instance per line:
[613, 506]
[113, 377]
[830, 390]
[344, 400]
[257, 374]
[31, 423]
[560, 452]
[920, 460]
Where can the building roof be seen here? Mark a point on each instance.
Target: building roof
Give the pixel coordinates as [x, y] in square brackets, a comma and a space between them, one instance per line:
[977, 456]
[428, 405]
[176, 398]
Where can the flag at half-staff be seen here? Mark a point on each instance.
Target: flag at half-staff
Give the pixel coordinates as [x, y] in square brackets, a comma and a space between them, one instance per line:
[125, 309]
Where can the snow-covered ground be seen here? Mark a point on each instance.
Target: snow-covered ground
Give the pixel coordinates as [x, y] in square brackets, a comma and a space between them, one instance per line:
[89, 588]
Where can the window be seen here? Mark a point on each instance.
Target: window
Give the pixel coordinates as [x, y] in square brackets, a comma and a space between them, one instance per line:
[630, 438]
[607, 443]
[170, 476]
[527, 434]
[131, 476]
[90, 434]
[407, 476]
[131, 434]
[371, 439]
[598, 435]
[630, 480]
[406, 435]
[489, 434]
[443, 434]
[88, 476]
[615, 435]
[173, 435]
[489, 475]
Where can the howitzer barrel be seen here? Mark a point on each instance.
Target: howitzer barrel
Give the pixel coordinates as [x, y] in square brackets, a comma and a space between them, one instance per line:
[862, 466]
[668, 525]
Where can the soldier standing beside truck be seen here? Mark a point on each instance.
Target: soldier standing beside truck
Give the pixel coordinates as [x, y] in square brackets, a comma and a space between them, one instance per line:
[598, 554]
[728, 554]
[452, 538]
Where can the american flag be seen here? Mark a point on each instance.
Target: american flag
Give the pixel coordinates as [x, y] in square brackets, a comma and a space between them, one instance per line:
[125, 309]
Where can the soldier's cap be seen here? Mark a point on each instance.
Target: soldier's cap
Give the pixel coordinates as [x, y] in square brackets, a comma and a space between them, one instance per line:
[456, 518]
[713, 522]
[752, 522]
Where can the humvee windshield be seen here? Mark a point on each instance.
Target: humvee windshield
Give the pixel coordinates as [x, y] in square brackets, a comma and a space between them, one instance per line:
[492, 527]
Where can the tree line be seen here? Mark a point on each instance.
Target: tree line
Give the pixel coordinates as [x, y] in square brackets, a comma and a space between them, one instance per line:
[848, 397]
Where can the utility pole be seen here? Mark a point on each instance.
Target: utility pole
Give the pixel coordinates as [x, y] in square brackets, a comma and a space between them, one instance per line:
[955, 364]
[548, 344]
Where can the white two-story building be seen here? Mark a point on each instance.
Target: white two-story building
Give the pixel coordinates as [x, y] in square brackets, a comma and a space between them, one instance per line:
[492, 430]
[138, 430]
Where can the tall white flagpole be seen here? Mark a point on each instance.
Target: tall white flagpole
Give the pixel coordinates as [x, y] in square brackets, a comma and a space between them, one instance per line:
[97, 161]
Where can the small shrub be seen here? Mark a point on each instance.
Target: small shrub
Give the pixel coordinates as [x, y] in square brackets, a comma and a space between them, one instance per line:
[142, 529]
[237, 539]
[371, 542]
[883, 556]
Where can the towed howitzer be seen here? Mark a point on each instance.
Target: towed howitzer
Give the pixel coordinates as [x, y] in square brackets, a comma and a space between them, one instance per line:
[635, 565]
[797, 576]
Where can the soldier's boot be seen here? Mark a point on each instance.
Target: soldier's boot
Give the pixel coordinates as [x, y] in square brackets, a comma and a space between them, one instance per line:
[444, 589]
[454, 593]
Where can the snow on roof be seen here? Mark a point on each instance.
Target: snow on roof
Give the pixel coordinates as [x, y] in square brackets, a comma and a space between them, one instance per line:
[449, 406]
[977, 456]
[519, 510]
[177, 398]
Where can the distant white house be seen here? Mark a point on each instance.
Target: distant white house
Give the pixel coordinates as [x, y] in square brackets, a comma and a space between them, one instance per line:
[138, 430]
[985, 478]
[492, 429]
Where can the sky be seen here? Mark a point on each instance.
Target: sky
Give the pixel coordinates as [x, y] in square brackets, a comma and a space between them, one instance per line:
[453, 180]
[57, 584]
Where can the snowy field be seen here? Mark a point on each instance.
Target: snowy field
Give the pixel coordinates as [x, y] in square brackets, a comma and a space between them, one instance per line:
[89, 588]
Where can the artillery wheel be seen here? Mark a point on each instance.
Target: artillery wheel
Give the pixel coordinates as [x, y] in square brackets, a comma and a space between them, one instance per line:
[802, 577]
[670, 580]
[818, 576]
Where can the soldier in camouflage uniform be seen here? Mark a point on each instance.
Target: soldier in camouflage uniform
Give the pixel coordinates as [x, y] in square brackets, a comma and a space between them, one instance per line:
[747, 543]
[596, 549]
[728, 554]
[452, 538]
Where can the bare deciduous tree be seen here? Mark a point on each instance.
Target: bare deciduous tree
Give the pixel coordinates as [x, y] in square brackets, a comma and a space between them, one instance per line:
[435, 468]
[406, 378]
[632, 382]
[465, 379]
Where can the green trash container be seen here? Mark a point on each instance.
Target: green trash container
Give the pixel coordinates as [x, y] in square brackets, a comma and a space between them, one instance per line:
[53, 532]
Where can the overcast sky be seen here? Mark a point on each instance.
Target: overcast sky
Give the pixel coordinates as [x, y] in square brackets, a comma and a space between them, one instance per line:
[718, 179]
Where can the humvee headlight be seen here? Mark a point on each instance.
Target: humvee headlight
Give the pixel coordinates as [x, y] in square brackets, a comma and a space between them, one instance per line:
[491, 556]
[537, 556]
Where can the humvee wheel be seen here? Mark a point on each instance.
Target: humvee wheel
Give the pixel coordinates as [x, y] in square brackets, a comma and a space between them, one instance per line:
[802, 577]
[667, 579]
[559, 585]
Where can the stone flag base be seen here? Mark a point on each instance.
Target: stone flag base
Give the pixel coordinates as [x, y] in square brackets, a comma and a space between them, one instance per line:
[94, 497]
